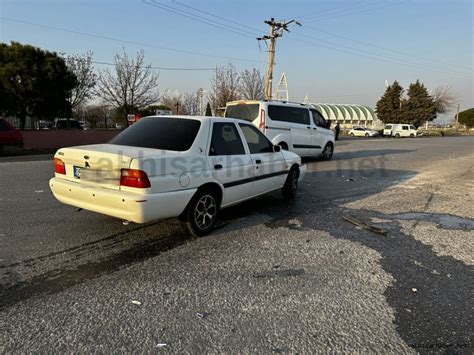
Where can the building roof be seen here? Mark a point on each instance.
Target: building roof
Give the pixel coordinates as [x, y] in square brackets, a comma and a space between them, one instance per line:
[345, 111]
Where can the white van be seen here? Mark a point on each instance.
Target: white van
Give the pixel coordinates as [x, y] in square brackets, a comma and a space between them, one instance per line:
[404, 130]
[298, 128]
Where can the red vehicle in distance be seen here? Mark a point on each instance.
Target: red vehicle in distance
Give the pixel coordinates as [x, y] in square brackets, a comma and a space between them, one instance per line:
[9, 135]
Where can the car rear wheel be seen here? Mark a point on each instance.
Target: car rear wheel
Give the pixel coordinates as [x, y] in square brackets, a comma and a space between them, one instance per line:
[202, 212]
[328, 151]
[291, 184]
[412, 135]
[352, 134]
[397, 135]
[366, 134]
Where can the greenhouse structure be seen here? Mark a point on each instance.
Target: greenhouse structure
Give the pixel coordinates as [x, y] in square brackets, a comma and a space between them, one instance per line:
[347, 115]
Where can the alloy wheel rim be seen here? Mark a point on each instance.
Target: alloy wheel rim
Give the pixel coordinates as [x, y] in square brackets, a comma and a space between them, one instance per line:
[205, 212]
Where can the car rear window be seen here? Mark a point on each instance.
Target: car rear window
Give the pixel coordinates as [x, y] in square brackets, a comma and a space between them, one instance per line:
[243, 111]
[167, 133]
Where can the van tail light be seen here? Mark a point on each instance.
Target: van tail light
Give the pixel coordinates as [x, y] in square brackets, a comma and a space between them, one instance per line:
[134, 178]
[59, 167]
[261, 124]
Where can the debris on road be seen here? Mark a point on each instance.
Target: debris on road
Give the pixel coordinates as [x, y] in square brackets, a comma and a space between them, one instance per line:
[39, 191]
[138, 303]
[350, 179]
[356, 222]
[280, 273]
[161, 345]
[125, 223]
[414, 290]
[202, 315]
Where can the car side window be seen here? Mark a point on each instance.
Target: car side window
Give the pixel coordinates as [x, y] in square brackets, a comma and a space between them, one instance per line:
[318, 119]
[225, 140]
[289, 114]
[405, 128]
[256, 141]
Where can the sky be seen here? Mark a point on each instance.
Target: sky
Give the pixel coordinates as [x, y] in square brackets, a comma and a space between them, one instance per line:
[344, 52]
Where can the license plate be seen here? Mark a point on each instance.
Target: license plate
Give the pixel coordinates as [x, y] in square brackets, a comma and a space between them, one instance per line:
[77, 172]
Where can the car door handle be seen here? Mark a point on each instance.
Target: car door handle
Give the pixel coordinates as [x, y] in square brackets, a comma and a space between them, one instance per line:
[315, 128]
[218, 166]
[308, 127]
[258, 161]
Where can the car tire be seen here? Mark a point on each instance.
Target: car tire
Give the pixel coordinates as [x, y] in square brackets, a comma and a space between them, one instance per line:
[412, 135]
[291, 184]
[283, 145]
[202, 212]
[366, 134]
[352, 135]
[397, 135]
[328, 151]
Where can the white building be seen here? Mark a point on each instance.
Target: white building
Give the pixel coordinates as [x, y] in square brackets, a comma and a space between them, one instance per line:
[347, 115]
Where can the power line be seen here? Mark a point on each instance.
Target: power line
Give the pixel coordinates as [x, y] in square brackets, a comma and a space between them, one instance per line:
[352, 6]
[160, 68]
[217, 16]
[126, 41]
[198, 18]
[376, 58]
[386, 49]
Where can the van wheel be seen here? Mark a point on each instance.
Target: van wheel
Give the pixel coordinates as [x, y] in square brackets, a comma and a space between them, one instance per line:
[283, 145]
[397, 135]
[202, 212]
[366, 134]
[412, 135]
[328, 152]
[291, 184]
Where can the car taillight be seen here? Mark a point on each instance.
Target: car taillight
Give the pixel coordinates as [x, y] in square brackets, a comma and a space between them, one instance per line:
[59, 166]
[134, 178]
[261, 124]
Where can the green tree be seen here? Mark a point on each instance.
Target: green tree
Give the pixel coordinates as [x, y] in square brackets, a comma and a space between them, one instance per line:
[388, 107]
[33, 82]
[419, 107]
[208, 109]
[467, 117]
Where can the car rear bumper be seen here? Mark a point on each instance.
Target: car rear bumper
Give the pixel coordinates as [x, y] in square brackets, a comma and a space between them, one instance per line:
[124, 205]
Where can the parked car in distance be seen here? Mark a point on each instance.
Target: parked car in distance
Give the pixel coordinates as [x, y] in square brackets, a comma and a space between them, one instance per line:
[9, 135]
[299, 128]
[358, 131]
[387, 130]
[62, 123]
[175, 166]
[404, 130]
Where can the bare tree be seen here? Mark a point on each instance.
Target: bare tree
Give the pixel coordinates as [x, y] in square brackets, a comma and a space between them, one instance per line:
[81, 66]
[224, 86]
[251, 84]
[190, 105]
[132, 86]
[172, 100]
[445, 99]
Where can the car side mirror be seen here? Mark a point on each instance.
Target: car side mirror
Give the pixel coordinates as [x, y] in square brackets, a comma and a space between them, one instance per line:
[276, 148]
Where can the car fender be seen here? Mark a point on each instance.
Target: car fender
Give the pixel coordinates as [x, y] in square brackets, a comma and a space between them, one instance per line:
[282, 137]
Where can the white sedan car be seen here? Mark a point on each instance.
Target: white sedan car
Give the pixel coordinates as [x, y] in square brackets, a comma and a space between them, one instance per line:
[186, 167]
[362, 132]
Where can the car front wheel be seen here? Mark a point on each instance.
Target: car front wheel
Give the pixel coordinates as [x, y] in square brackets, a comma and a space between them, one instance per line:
[291, 184]
[328, 152]
[202, 211]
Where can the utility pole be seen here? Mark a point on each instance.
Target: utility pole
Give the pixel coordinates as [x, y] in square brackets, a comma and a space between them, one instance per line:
[276, 30]
[456, 122]
[177, 107]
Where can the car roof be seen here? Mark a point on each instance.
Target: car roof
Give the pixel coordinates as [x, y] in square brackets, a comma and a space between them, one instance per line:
[272, 102]
[203, 118]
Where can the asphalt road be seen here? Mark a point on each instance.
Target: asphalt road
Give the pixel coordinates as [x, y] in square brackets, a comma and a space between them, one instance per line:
[274, 277]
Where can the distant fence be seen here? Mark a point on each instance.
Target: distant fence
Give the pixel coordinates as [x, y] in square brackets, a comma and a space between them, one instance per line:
[55, 139]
